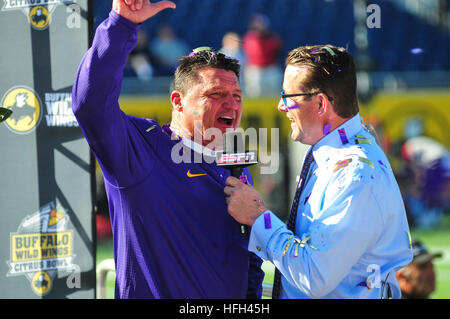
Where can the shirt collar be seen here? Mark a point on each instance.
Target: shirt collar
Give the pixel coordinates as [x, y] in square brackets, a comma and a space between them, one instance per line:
[196, 147]
[323, 149]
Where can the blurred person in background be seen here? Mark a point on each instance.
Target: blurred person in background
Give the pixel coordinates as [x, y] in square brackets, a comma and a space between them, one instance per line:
[428, 169]
[139, 61]
[262, 47]
[418, 279]
[231, 46]
[166, 48]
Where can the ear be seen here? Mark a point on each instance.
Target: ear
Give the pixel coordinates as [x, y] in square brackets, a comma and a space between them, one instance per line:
[324, 104]
[403, 282]
[399, 275]
[176, 98]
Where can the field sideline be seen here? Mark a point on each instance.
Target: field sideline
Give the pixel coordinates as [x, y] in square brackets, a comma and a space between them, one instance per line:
[436, 240]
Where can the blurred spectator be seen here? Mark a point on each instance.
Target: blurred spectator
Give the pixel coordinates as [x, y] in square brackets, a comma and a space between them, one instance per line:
[166, 49]
[262, 73]
[103, 223]
[427, 197]
[139, 61]
[231, 46]
[418, 279]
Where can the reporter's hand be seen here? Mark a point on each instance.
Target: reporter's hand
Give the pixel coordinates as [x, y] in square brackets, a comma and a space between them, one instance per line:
[245, 204]
[138, 11]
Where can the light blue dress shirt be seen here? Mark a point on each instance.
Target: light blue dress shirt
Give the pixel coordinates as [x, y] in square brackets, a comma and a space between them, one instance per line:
[351, 232]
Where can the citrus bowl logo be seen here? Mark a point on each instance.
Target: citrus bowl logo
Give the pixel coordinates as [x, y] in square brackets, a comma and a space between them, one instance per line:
[39, 17]
[26, 109]
[42, 248]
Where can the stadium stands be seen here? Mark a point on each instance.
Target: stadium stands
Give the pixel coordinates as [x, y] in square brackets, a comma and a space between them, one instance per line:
[392, 45]
[204, 22]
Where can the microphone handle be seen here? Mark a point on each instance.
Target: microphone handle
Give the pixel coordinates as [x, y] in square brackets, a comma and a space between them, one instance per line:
[237, 172]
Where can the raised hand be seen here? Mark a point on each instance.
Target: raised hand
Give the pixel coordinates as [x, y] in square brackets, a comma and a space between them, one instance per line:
[138, 11]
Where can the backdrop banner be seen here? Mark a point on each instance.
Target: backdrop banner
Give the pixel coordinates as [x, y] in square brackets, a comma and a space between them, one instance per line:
[47, 229]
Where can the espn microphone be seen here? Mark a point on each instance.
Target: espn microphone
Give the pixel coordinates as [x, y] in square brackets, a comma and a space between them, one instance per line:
[235, 159]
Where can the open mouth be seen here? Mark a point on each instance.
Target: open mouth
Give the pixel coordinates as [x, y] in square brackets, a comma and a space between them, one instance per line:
[226, 120]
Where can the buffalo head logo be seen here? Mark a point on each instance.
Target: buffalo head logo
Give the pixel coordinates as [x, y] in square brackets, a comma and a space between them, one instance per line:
[39, 17]
[21, 110]
[23, 107]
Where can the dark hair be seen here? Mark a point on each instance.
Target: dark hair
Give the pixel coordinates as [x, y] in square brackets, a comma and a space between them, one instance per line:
[187, 71]
[331, 70]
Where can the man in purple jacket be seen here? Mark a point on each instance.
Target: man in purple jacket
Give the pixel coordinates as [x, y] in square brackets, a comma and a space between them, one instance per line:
[173, 237]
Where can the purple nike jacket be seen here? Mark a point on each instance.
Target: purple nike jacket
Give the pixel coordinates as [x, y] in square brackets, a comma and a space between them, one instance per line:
[173, 236]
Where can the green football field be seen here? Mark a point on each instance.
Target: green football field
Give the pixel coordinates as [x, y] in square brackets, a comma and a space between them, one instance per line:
[435, 240]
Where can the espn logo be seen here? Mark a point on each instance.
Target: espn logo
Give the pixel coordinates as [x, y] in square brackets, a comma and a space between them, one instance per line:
[246, 158]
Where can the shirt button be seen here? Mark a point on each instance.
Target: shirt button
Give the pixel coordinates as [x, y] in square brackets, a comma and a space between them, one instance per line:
[258, 248]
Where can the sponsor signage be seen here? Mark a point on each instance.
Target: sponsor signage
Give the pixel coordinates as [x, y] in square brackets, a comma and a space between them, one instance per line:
[47, 246]
[245, 158]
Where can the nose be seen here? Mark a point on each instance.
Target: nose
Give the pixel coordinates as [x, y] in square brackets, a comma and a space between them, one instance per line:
[231, 103]
[281, 107]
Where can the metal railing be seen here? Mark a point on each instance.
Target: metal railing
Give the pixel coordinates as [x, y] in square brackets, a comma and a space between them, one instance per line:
[103, 268]
[106, 266]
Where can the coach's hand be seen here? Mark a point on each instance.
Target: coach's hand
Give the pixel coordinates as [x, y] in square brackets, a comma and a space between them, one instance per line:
[245, 204]
[138, 11]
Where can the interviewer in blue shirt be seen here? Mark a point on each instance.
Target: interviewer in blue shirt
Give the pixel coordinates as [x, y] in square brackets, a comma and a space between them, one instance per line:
[347, 234]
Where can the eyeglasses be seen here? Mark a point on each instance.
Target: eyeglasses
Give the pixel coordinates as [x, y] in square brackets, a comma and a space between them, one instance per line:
[285, 96]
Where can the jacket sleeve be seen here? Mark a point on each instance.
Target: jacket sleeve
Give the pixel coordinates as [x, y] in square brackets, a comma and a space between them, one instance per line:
[255, 277]
[112, 136]
[313, 262]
